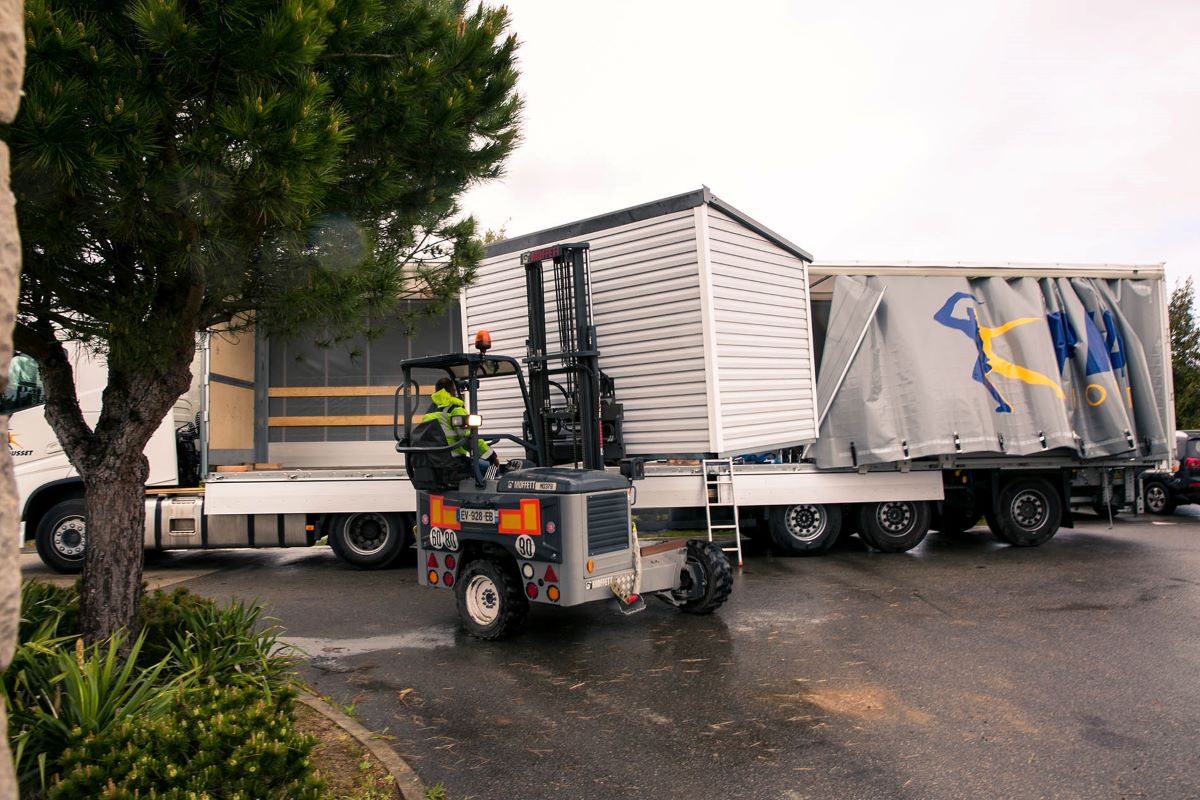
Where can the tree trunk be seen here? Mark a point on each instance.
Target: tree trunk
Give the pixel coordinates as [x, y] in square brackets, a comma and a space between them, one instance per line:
[114, 471]
[112, 567]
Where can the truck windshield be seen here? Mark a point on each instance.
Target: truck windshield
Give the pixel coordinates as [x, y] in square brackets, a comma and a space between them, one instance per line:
[24, 388]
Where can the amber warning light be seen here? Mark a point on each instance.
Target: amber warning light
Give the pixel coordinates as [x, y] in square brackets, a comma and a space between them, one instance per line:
[483, 341]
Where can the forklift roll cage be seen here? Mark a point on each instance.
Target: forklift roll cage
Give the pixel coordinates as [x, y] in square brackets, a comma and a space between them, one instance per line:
[459, 367]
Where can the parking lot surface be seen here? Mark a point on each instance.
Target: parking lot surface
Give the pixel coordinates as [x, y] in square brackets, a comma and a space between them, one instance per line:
[963, 669]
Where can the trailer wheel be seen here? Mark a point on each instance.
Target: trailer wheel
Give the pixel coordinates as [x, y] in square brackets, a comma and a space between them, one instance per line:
[805, 530]
[62, 536]
[894, 526]
[1029, 513]
[369, 540]
[491, 604]
[706, 580]
[1158, 498]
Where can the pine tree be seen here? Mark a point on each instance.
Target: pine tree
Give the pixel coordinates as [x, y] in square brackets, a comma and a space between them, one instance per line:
[181, 164]
[1185, 354]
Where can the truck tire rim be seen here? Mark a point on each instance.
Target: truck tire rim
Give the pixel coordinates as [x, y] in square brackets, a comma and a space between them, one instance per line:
[70, 538]
[1028, 509]
[1156, 498]
[804, 523]
[895, 519]
[367, 534]
[483, 600]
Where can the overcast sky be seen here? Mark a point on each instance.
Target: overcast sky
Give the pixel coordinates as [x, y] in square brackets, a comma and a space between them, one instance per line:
[971, 130]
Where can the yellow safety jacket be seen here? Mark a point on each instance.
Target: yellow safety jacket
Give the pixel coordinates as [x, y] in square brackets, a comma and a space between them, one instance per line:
[446, 407]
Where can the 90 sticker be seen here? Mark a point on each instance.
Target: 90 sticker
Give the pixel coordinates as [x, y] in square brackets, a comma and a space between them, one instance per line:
[440, 539]
[525, 546]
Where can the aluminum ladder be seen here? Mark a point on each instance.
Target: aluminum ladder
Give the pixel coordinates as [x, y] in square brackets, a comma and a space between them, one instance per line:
[718, 494]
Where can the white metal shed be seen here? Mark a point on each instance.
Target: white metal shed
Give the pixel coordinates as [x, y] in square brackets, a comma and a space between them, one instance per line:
[702, 319]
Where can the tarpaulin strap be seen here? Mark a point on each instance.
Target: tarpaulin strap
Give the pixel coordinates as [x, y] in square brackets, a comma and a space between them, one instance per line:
[904, 444]
[1000, 441]
[957, 443]
[1042, 439]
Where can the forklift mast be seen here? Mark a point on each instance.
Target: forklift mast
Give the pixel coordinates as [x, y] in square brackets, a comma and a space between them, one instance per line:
[571, 400]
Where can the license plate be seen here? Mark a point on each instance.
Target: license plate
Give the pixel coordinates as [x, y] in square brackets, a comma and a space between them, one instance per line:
[483, 515]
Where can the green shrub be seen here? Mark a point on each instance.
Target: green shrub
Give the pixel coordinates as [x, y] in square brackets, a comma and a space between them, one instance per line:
[231, 645]
[230, 742]
[55, 608]
[57, 693]
[164, 616]
[201, 708]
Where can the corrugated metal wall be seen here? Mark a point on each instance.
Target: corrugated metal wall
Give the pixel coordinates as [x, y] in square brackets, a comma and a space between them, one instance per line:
[677, 299]
[762, 337]
[647, 310]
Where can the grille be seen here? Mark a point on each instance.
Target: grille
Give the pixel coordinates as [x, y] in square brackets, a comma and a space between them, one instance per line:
[607, 523]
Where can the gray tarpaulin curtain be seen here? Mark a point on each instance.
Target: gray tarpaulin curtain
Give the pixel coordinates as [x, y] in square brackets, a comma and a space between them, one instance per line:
[952, 365]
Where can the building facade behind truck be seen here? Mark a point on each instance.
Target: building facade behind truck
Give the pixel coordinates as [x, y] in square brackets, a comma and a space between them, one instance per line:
[721, 342]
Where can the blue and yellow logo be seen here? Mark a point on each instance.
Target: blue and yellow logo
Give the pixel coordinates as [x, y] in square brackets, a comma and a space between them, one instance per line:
[1105, 353]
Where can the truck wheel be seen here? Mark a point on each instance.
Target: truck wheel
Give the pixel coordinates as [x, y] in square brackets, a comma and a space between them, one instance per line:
[1029, 515]
[954, 520]
[369, 540]
[491, 604]
[805, 530]
[707, 564]
[894, 526]
[62, 536]
[1158, 498]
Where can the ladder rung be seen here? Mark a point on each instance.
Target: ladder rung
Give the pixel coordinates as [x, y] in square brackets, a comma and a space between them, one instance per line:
[722, 527]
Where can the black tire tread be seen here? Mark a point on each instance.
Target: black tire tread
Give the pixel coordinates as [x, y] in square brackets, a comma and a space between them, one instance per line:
[1007, 531]
[50, 557]
[718, 573]
[515, 606]
[871, 533]
[777, 522]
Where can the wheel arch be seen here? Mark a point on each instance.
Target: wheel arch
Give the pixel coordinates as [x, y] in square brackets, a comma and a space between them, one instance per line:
[47, 496]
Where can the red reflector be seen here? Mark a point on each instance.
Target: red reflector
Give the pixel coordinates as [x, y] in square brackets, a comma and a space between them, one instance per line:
[448, 579]
[424, 519]
[550, 576]
[449, 562]
[531, 590]
[1191, 463]
[432, 562]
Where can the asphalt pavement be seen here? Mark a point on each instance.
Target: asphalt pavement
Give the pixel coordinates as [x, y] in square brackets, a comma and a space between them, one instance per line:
[963, 669]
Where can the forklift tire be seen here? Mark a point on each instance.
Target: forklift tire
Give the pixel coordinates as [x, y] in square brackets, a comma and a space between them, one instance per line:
[62, 536]
[1030, 511]
[894, 526]
[491, 604]
[1158, 499]
[369, 540]
[707, 559]
[805, 530]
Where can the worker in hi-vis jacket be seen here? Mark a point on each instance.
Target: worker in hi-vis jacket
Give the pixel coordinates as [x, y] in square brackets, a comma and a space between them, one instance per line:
[447, 406]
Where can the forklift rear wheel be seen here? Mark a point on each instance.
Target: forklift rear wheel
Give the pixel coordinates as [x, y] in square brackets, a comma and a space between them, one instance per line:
[491, 604]
[1029, 513]
[894, 526]
[62, 536]
[707, 579]
[369, 540]
[805, 530]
